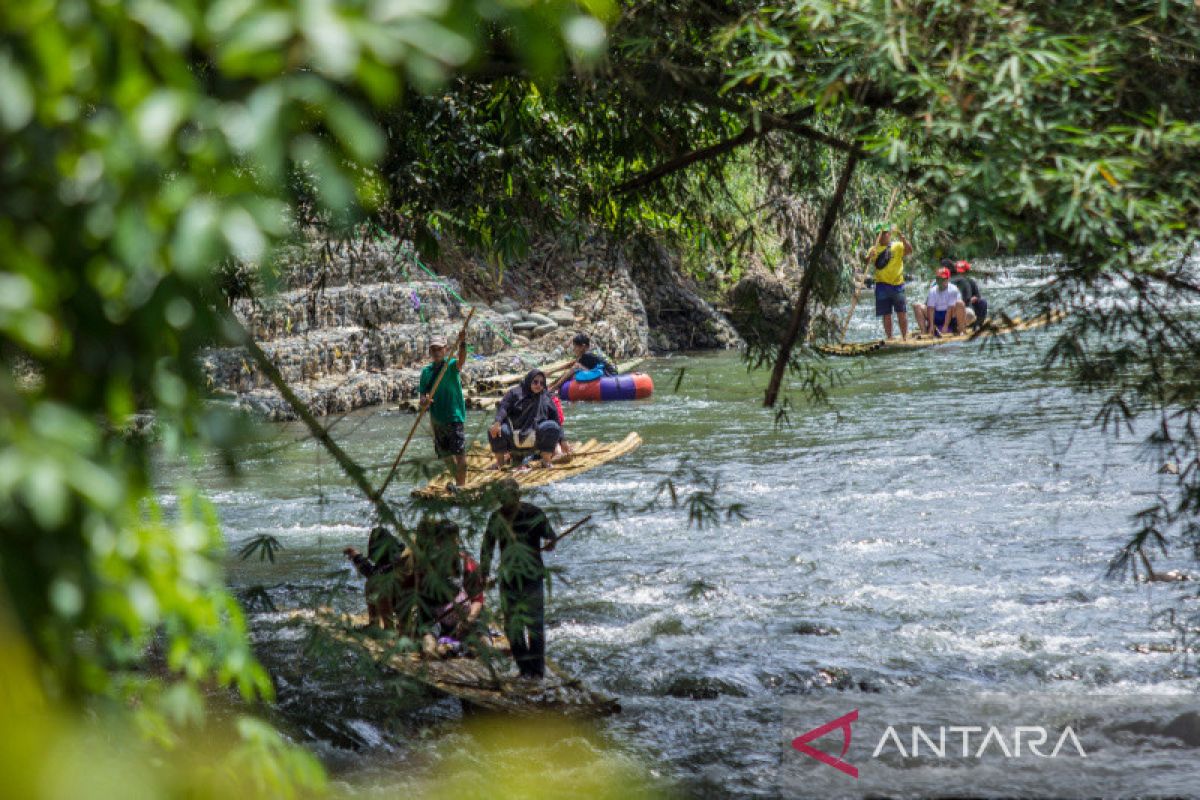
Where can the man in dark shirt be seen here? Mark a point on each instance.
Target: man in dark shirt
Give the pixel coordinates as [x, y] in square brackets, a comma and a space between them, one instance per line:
[968, 289]
[973, 299]
[586, 360]
[520, 528]
[960, 281]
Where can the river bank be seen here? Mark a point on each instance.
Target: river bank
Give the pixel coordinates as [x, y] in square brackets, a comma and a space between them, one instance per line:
[945, 525]
[348, 326]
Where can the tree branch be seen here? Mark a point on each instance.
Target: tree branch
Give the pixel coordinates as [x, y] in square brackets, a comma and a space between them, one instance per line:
[766, 124]
[798, 327]
[748, 134]
[353, 471]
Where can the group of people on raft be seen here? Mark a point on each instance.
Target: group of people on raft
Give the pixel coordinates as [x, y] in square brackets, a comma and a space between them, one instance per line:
[528, 418]
[433, 590]
[953, 305]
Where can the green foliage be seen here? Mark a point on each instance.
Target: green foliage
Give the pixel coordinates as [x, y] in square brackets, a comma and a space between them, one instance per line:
[141, 146]
[264, 544]
[1034, 122]
[694, 489]
[653, 141]
[167, 750]
[500, 155]
[1065, 127]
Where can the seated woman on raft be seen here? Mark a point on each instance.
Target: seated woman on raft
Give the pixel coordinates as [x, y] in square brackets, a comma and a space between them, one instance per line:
[449, 594]
[526, 419]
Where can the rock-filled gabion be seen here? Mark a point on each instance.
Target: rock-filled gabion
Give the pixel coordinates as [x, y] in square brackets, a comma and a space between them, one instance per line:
[342, 351]
[351, 328]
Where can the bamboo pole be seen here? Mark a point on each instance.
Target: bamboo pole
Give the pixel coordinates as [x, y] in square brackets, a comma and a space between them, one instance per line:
[353, 471]
[569, 530]
[858, 286]
[566, 373]
[421, 414]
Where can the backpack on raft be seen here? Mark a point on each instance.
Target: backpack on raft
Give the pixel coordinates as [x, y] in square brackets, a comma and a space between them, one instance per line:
[588, 375]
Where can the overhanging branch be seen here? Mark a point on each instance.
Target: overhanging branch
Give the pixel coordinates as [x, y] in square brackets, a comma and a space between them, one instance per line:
[749, 134]
[798, 326]
[766, 124]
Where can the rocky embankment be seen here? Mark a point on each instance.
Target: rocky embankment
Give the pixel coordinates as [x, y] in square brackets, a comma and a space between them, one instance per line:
[352, 328]
[678, 315]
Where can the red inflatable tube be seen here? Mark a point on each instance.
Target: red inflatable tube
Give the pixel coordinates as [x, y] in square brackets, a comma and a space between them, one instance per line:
[634, 386]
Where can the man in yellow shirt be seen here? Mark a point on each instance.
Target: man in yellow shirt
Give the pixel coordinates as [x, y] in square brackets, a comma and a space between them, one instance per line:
[889, 279]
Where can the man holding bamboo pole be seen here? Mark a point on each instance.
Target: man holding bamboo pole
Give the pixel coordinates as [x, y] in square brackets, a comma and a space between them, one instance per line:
[447, 409]
[887, 258]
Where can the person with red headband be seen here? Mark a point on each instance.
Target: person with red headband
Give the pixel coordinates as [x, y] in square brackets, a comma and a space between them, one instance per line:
[944, 310]
[970, 292]
[964, 285]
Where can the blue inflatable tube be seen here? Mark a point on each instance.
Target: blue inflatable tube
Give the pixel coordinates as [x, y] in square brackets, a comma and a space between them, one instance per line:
[633, 386]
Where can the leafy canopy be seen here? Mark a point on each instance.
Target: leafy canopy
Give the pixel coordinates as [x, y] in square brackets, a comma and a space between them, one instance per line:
[141, 145]
[1070, 128]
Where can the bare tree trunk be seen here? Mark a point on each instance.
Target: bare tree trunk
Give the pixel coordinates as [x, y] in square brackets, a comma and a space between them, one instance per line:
[798, 327]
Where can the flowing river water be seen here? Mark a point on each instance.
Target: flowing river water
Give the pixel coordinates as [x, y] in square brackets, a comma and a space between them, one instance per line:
[944, 524]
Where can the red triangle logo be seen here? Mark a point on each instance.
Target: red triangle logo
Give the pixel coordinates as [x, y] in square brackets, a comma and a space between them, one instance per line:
[801, 743]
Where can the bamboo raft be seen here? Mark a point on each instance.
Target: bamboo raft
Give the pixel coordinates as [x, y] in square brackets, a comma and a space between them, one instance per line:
[586, 456]
[472, 680]
[1014, 325]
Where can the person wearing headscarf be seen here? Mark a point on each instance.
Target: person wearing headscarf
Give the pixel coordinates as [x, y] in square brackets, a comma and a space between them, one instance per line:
[526, 420]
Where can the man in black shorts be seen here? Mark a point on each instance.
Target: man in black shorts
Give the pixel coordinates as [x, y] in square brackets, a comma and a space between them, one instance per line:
[447, 409]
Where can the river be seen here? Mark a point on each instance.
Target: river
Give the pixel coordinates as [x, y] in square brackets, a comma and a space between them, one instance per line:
[945, 523]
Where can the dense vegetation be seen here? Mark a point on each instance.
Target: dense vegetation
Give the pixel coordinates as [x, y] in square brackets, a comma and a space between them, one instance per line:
[142, 146]
[1065, 128]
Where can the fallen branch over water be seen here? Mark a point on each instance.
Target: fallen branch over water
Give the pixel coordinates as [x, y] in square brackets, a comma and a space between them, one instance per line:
[349, 466]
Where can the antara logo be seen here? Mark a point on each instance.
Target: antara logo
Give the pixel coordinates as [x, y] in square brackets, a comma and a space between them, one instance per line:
[1033, 737]
[801, 743]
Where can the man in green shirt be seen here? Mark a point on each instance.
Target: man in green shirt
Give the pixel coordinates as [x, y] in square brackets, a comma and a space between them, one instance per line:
[447, 409]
